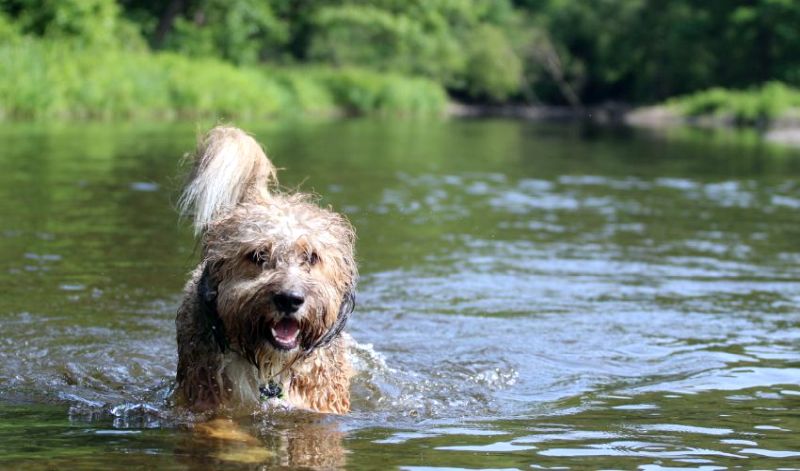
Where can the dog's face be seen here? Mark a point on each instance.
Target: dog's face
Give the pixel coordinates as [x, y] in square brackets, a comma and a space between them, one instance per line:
[283, 273]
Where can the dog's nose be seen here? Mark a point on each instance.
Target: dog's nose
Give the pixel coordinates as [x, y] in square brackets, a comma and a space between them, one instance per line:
[288, 302]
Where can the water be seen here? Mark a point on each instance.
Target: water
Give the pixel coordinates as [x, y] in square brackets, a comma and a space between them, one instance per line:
[533, 297]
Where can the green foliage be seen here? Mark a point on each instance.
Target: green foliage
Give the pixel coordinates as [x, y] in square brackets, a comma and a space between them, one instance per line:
[367, 36]
[360, 91]
[458, 43]
[551, 51]
[756, 106]
[306, 93]
[89, 22]
[493, 68]
[648, 50]
[50, 80]
[8, 30]
[241, 31]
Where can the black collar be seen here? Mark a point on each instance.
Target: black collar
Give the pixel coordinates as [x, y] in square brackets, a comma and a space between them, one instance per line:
[345, 309]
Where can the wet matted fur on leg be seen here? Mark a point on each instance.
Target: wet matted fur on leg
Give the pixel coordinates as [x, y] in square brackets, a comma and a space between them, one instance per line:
[263, 312]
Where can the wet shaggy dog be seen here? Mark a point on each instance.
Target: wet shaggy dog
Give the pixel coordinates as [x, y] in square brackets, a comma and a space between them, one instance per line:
[263, 312]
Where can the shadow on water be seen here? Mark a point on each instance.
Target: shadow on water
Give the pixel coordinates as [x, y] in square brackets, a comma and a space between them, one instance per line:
[533, 296]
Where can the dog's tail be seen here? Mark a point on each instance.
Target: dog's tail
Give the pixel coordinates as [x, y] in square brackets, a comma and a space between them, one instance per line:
[230, 167]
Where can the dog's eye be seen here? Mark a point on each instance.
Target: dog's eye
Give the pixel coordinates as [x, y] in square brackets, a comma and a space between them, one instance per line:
[313, 258]
[257, 256]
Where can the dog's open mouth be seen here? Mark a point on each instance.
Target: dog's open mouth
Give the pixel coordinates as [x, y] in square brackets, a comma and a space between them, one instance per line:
[285, 334]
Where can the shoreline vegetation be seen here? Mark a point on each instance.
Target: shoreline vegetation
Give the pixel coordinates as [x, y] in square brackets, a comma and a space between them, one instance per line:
[49, 81]
[772, 106]
[731, 64]
[773, 110]
[45, 80]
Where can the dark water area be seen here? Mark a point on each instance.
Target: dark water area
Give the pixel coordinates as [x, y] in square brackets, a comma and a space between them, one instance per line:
[532, 297]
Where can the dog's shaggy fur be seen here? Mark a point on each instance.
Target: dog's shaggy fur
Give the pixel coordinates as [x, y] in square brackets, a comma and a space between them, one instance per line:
[266, 304]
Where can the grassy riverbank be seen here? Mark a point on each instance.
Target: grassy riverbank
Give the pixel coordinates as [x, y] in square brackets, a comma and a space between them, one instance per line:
[49, 80]
[44, 80]
[770, 104]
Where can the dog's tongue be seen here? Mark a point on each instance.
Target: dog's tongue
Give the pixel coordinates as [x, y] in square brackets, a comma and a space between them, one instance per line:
[286, 329]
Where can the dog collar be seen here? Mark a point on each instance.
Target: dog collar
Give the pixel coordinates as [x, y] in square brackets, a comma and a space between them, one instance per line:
[345, 309]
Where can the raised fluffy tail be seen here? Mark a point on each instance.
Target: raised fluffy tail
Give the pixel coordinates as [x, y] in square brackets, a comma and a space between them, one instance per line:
[230, 167]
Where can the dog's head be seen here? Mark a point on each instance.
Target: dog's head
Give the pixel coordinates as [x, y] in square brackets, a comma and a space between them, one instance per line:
[283, 272]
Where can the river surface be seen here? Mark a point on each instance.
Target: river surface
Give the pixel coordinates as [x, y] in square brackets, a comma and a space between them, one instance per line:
[532, 297]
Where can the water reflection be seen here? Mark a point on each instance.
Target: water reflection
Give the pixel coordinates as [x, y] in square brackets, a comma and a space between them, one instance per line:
[293, 442]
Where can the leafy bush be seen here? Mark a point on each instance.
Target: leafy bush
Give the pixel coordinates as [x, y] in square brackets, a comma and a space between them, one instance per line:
[306, 93]
[241, 31]
[8, 31]
[493, 69]
[50, 80]
[95, 23]
[359, 91]
[461, 45]
[744, 107]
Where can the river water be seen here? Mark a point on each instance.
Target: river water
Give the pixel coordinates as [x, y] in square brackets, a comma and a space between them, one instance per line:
[533, 297]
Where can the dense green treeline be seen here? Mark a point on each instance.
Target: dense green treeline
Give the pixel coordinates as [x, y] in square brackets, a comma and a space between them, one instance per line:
[306, 53]
[647, 50]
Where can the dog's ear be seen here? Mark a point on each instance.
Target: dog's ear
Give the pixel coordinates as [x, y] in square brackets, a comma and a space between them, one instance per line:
[207, 297]
[207, 286]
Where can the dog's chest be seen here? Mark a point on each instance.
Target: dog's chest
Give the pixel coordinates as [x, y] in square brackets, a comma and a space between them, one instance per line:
[239, 379]
[245, 387]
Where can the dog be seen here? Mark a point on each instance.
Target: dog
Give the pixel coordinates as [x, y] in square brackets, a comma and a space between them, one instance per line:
[263, 313]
